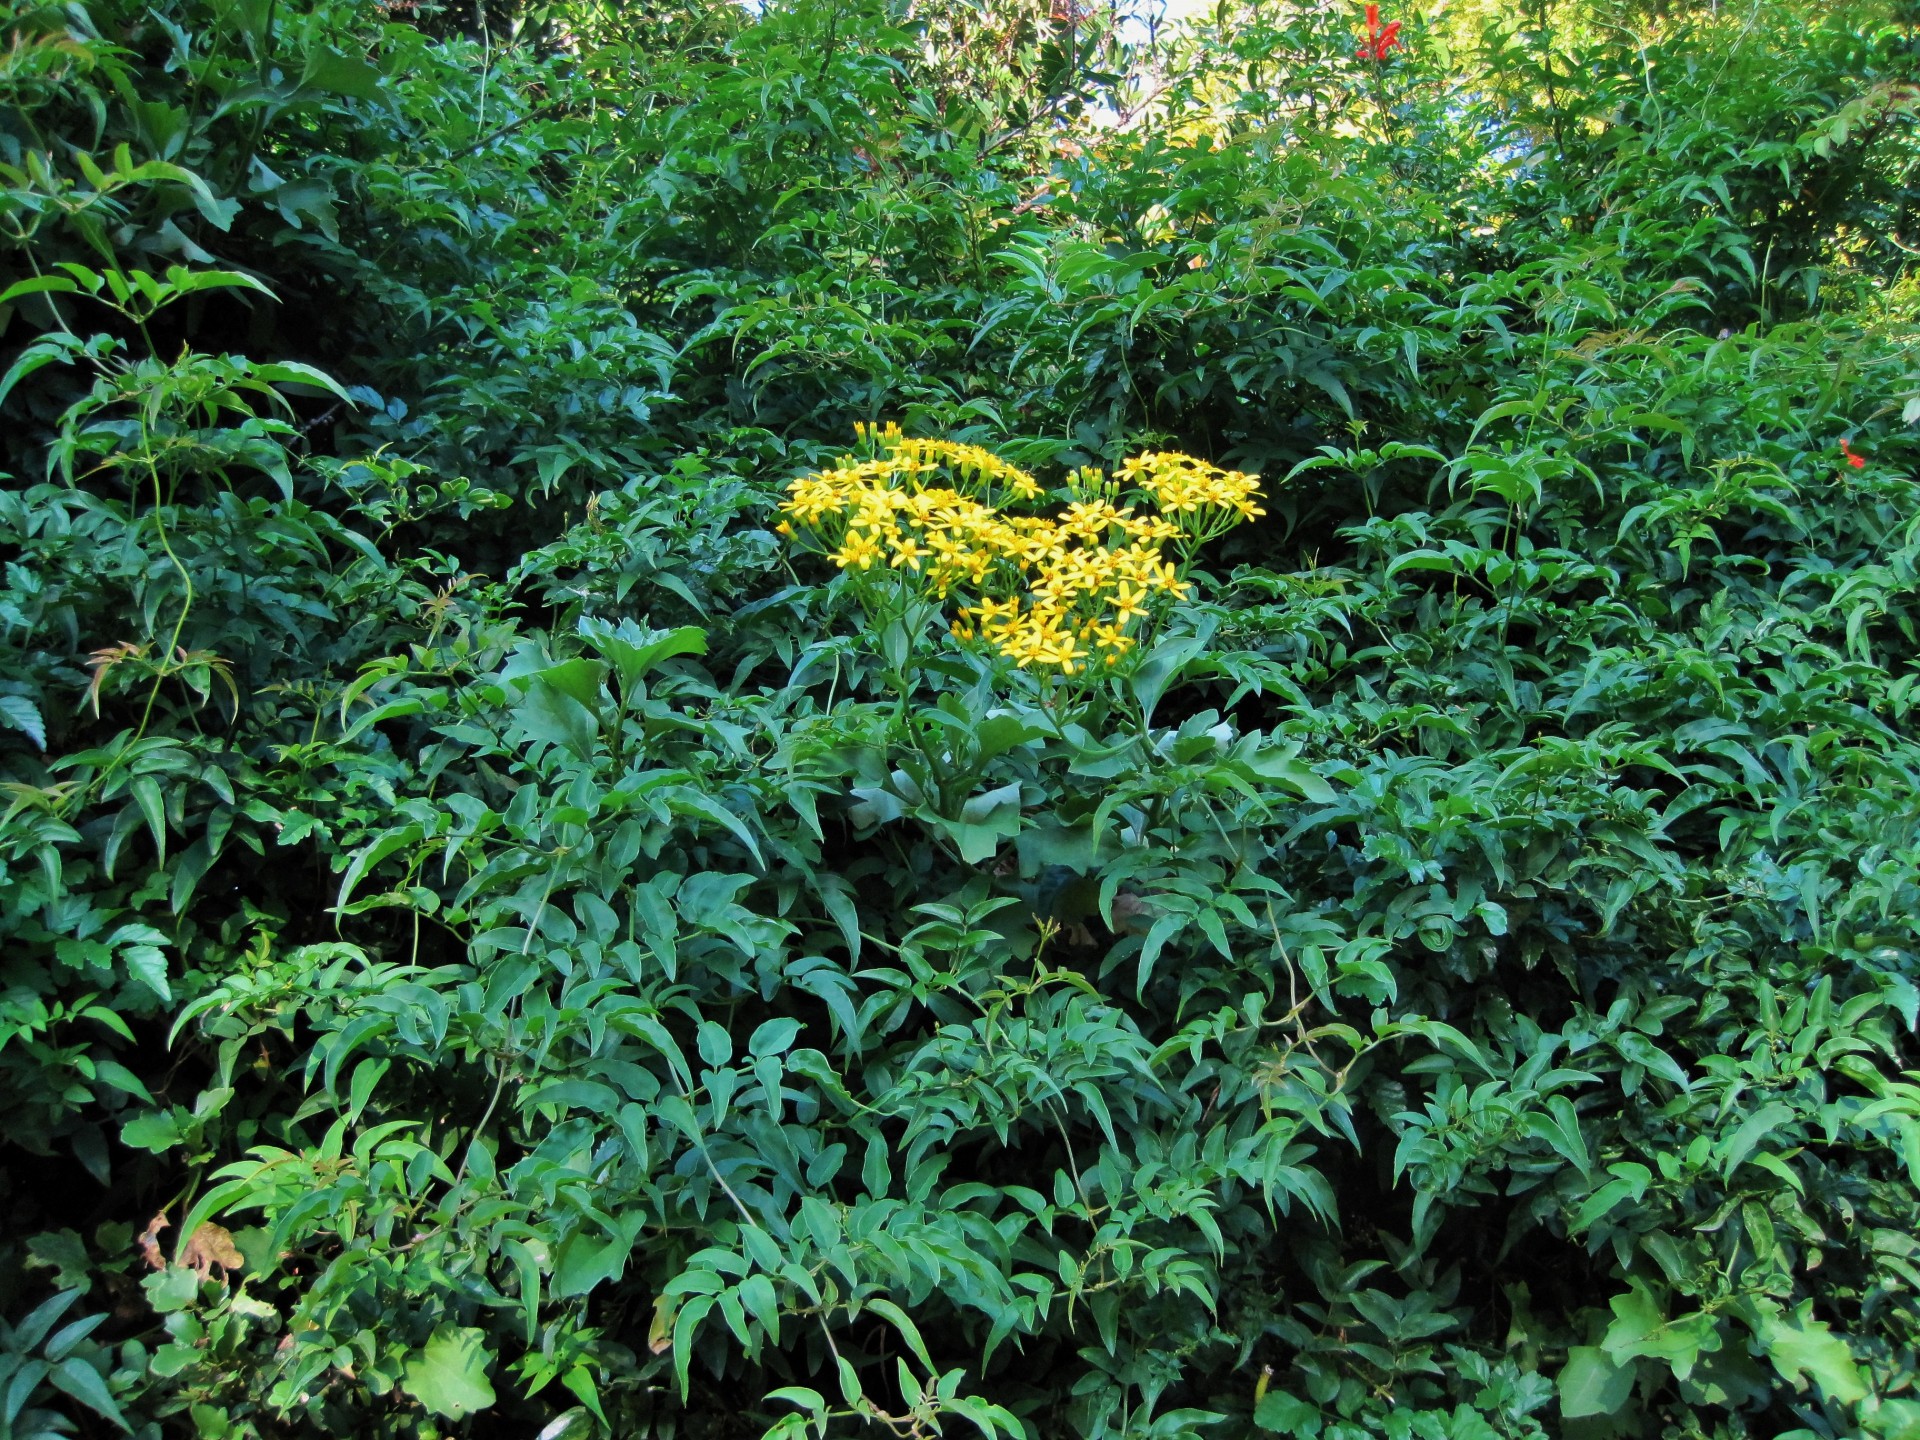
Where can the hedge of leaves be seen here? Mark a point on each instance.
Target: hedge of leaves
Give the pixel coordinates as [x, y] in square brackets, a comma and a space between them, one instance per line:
[499, 942]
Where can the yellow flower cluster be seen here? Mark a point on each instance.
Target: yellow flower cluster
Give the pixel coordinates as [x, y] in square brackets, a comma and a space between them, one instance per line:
[1066, 592]
[1216, 499]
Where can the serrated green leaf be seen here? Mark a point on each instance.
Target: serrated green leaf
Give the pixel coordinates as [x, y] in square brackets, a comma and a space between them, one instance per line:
[449, 1374]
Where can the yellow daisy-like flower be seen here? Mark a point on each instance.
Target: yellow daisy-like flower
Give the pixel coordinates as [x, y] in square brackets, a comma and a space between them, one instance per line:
[1128, 602]
[859, 551]
[1057, 593]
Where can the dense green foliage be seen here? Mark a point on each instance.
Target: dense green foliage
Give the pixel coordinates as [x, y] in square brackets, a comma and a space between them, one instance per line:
[499, 944]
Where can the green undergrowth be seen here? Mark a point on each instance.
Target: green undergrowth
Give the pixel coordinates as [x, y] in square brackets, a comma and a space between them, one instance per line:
[498, 944]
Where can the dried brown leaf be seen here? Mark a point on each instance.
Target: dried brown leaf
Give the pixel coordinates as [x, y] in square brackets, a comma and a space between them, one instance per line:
[212, 1248]
[149, 1241]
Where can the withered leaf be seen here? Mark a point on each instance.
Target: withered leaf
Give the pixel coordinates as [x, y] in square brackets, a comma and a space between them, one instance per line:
[212, 1248]
[149, 1241]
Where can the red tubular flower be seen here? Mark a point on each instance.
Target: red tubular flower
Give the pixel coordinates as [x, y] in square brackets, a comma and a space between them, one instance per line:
[1858, 462]
[1378, 41]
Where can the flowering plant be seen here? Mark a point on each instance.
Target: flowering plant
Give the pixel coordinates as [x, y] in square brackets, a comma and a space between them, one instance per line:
[1066, 592]
[1378, 41]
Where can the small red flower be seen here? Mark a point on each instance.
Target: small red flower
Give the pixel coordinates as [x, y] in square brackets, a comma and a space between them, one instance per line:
[1378, 41]
[1859, 462]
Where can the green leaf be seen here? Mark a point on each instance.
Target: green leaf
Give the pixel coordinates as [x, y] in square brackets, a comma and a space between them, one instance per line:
[685, 800]
[550, 714]
[1755, 1128]
[634, 650]
[339, 74]
[1279, 763]
[909, 1333]
[985, 821]
[574, 1424]
[173, 1288]
[1893, 1419]
[1592, 1383]
[1806, 1351]
[587, 1259]
[292, 372]
[1641, 1328]
[449, 1376]
[685, 1324]
[148, 965]
[1285, 1414]
[112, 1073]
[578, 678]
[773, 1037]
[188, 282]
[1162, 667]
[63, 1252]
[146, 793]
[40, 285]
[1049, 843]
[1629, 1183]
[89, 1387]
[19, 713]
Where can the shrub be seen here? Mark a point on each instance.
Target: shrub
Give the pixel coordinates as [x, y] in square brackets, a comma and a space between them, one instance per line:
[545, 897]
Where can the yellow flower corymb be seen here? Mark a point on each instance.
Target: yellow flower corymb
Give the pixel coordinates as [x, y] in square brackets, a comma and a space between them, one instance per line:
[1182, 485]
[1056, 593]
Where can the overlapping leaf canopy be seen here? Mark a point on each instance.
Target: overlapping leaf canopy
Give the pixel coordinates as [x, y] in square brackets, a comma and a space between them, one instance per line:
[498, 943]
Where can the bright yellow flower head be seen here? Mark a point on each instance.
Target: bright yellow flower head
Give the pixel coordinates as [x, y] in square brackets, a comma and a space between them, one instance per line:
[1063, 593]
[858, 551]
